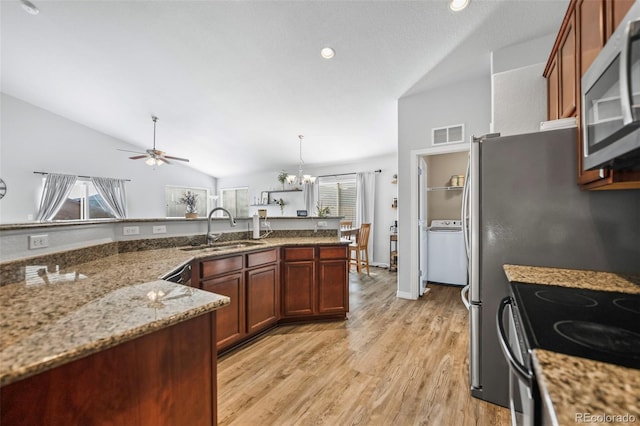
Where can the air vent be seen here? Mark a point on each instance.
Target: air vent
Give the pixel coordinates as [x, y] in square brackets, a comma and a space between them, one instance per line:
[450, 134]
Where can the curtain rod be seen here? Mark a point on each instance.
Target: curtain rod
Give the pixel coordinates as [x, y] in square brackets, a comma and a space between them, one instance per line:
[85, 177]
[344, 174]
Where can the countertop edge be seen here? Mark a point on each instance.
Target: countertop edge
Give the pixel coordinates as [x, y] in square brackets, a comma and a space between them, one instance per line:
[93, 347]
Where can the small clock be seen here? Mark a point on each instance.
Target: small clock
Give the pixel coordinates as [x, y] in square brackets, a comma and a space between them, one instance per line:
[3, 188]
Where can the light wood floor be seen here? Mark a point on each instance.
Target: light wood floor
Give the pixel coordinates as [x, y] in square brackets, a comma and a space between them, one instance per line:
[394, 362]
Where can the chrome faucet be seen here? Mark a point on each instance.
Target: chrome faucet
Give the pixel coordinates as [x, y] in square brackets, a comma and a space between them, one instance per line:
[211, 238]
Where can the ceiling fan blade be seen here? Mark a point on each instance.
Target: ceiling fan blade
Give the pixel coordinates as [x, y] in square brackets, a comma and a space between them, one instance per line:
[164, 160]
[126, 150]
[176, 158]
[137, 157]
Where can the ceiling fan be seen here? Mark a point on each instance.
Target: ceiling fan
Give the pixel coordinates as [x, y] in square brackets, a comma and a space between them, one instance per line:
[154, 156]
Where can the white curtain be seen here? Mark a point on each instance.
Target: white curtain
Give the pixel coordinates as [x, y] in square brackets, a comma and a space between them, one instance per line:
[310, 195]
[365, 202]
[113, 193]
[55, 192]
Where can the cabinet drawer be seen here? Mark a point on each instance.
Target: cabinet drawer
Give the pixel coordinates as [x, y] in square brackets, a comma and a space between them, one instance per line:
[262, 258]
[298, 253]
[213, 267]
[333, 252]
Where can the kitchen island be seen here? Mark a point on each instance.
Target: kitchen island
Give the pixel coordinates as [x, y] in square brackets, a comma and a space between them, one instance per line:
[81, 342]
[575, 389]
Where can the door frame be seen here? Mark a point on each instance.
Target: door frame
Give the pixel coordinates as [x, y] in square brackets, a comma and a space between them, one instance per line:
[414, 237]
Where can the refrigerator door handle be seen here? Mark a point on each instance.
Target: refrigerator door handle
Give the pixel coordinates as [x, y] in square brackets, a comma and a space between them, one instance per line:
[474, 347]
[465, 212]
[514, 365]
[464, 295]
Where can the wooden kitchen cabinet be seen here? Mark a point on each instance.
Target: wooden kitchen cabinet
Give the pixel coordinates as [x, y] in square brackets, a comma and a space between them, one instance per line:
[333, 272]
[230, 324]
[298, 281]
[315, 282]
[310, 283]
[225, 276]
[252, 282]
[584, 31]
[262, 291]
[167, 377]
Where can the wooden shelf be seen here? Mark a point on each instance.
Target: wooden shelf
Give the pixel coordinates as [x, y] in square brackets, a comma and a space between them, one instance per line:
[445, 188]
[284, 190]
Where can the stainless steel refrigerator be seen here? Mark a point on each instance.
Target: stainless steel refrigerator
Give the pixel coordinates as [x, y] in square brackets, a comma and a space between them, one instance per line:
[522, 206]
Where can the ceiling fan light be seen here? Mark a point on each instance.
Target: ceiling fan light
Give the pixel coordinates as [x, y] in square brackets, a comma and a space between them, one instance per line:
[159, 162]
[150, 161]
[458, 5]
[29, 7]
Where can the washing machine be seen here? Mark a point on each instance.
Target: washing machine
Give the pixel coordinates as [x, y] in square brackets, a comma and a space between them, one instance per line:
[446, 257]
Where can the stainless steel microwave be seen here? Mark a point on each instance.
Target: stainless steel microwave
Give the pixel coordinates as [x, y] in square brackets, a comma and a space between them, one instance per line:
[611, 100]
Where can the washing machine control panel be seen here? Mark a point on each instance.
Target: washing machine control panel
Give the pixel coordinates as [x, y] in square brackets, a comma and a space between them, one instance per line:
[446, 223]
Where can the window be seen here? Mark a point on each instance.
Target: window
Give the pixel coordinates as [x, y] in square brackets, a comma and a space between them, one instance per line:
[84, 203]
[236, 200]
[175, 209]
[339, 194]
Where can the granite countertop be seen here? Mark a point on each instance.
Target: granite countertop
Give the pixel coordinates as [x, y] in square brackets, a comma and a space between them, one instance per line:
[576, 387]
[59, 313]
[591, 280]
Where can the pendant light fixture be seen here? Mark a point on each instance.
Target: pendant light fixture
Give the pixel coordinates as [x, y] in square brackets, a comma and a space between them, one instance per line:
[300, 178]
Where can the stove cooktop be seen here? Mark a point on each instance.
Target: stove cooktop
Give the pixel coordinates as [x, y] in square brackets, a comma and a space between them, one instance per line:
[599, 325]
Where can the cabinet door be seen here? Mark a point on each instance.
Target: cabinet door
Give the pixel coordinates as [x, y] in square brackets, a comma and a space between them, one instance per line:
[333, 286]
[553, 95]
[263, 301]
[616, 10]
[567, 82]
[298, 288]
[230, 321]
[590, 17]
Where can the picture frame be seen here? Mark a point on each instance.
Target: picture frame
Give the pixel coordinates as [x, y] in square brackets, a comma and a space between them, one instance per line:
[301, 213]
[264, 198]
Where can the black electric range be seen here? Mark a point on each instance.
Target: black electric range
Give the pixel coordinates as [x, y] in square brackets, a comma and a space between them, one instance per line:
[598, 325]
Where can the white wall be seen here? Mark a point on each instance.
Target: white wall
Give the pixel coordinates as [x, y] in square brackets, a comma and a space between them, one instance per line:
[518, 90]
[385, 192]
[33, 139]
[467, 102]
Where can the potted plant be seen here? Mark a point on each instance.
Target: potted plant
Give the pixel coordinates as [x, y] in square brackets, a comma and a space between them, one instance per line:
[189, 199]
[281, 203]
[282, 178]
[322, 211]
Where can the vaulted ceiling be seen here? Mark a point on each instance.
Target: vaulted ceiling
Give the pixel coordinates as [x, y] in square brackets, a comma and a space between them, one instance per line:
[234, 82]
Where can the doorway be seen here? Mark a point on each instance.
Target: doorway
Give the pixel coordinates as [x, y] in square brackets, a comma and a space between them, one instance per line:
[436, 198]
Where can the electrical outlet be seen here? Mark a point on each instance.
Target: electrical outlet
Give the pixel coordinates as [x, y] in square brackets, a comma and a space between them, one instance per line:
[322, 223]
[160, 229]
[38, 241]
[131, 230]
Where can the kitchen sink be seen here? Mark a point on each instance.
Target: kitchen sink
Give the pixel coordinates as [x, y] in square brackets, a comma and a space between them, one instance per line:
[227, 245]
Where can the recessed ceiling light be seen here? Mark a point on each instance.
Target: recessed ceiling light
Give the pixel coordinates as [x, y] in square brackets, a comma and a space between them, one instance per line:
[458, 5]
[327, 53]
[29, 7]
